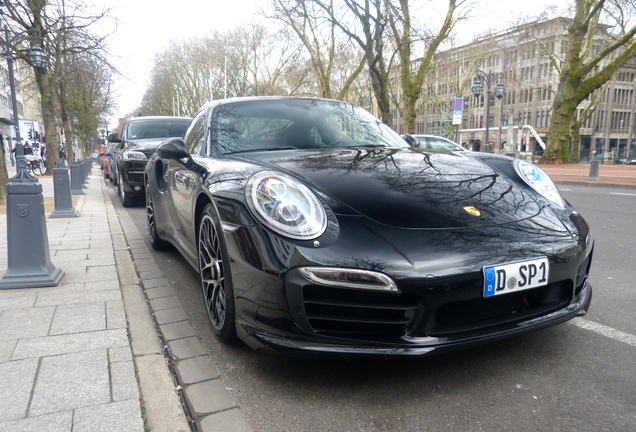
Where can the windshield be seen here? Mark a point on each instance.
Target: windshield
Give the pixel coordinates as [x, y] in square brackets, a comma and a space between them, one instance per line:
[297, 123]
[158, 128]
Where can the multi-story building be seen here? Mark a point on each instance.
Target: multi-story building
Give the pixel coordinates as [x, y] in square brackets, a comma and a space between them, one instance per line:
[520, 58]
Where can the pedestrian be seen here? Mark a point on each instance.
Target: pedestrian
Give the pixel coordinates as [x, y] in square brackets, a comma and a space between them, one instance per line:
[62, 155]
[27, 148]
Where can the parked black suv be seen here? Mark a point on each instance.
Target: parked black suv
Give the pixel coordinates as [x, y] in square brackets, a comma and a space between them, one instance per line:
[139, 139]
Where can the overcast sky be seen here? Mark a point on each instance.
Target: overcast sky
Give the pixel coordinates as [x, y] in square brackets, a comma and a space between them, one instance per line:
[146, 26]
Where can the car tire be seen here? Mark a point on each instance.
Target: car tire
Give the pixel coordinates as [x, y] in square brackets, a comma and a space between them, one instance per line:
[214, 271]
[155, 241]
[126, 199]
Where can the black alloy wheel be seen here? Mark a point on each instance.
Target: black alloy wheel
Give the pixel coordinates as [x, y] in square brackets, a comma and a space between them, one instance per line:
[155, 241]
[215, 277]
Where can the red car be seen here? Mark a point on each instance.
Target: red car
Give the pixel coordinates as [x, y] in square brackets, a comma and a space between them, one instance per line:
[107, 162]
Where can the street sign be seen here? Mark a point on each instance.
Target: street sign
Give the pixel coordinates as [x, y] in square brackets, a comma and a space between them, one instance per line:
[458, 108]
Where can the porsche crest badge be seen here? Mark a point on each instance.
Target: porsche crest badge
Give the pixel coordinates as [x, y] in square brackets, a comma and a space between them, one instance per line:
[472, 210]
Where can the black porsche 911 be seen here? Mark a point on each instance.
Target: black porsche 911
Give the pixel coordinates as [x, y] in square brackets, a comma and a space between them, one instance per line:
[316, 229]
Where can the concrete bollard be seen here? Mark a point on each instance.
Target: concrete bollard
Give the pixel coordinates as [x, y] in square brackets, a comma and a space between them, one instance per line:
[594, 170]
[76, 179]
[62, 192]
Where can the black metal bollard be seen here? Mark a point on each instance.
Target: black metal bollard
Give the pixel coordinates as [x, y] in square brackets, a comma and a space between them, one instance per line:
[594, 170]
[76, 179]
[62, 192]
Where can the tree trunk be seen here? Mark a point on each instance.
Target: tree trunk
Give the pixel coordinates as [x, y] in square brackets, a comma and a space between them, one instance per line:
[559, 138]
[4, 176]
[48, 116]
[576, 142]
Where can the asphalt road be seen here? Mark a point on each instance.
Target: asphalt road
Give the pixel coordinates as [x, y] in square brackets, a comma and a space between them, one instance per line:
[578, 376]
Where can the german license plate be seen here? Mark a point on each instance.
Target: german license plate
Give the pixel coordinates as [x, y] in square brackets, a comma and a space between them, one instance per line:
[508, 278]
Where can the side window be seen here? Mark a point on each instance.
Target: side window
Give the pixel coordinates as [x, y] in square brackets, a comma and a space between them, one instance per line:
[195, 136]
[438, 144]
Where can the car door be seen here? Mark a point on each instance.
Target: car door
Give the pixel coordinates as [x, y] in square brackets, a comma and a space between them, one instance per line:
[185, 184]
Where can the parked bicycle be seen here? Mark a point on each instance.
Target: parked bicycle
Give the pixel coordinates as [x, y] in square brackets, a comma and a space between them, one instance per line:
[34, 165]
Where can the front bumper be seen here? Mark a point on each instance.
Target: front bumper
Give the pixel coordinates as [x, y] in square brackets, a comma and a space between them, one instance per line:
[410, 346]
[131, 175]
[440, 305]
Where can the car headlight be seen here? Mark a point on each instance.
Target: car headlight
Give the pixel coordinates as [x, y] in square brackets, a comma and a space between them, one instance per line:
[134, 155]
[286, 206]
[538, 180]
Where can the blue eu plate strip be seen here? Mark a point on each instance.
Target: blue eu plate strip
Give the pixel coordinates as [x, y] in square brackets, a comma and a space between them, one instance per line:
[490, 278]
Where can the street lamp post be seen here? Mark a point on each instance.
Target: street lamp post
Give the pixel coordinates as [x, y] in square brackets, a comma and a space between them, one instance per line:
[29, 263]
[478, 89]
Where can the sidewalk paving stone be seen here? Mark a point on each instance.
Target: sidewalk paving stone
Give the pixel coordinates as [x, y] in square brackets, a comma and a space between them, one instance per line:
[76, 342]
[117, 416]
[60, 387]
[56, 422]
[75, 318]
[115, 315]
[122, 374]
[25, 323]
[6, 350]
[17, 381]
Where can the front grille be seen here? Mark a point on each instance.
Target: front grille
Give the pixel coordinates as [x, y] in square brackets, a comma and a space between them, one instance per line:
[482, 312]
[356, 313]
[135, 177]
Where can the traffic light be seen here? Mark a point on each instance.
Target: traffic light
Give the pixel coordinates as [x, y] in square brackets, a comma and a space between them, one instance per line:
[30, 134]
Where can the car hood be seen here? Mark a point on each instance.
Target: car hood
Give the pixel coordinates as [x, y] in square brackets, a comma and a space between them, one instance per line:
[147, 146]
[408, 188]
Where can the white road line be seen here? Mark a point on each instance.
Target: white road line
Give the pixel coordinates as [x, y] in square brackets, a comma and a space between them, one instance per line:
[603, 330]
[624, 194]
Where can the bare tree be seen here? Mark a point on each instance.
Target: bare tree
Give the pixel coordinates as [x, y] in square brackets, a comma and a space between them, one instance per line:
[581, 72]
[84, 92]
[323, 43]
[369, 31]
[405, 38]
[58, 21]
[247, 61]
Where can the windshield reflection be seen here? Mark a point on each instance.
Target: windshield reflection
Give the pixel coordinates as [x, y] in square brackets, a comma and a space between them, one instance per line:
[296, 123]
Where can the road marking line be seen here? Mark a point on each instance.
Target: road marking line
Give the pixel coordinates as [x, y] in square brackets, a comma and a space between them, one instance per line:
[624, 194]
[605, 331]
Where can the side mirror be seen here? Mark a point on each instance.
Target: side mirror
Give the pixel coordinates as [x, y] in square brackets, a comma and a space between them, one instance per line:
[113, 137]
[173, 148]
[410, 140]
